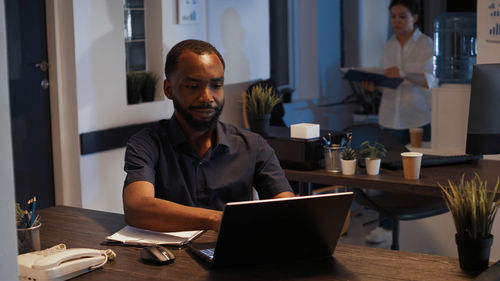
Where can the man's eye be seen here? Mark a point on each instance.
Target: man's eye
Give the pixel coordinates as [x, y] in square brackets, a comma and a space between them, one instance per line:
[217, 86]
[192, 86]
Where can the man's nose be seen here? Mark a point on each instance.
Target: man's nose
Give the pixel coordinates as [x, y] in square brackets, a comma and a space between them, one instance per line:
[206, 95]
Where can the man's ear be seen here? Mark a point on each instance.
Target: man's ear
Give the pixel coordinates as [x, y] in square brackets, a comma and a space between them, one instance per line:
[415, 18]
[167, 88]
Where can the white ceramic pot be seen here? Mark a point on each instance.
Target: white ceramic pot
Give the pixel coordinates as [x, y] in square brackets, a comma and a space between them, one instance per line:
[372, 166]
[348, 167]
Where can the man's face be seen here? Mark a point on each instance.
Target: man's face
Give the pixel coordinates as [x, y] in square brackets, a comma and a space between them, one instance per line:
[196, 87]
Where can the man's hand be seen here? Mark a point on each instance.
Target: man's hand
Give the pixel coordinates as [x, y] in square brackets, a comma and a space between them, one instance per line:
[143, 210]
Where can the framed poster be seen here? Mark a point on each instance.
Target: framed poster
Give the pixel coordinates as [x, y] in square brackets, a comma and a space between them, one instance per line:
[188, 11]
[493, 21]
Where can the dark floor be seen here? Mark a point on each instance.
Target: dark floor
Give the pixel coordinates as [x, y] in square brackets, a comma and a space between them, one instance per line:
[360, 226]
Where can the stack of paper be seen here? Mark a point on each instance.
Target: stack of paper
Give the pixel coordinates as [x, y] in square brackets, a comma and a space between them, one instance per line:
[136, 236]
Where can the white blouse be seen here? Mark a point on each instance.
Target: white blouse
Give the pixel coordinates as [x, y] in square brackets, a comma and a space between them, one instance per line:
[409, 105]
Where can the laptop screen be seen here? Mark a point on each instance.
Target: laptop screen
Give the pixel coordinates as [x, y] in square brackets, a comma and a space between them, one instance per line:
[271, 231]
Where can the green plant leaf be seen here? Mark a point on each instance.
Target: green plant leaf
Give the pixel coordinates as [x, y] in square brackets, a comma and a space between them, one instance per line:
[471, 205]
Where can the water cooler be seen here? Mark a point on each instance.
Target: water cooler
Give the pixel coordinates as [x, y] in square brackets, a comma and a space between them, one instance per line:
[455, 56]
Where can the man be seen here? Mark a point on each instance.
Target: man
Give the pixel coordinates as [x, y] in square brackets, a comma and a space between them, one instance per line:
[181, 172]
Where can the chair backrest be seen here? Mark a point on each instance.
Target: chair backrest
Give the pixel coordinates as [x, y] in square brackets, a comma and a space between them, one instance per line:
[374, 133]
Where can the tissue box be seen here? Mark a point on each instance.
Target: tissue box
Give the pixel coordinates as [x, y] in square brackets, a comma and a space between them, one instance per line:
[304, 131]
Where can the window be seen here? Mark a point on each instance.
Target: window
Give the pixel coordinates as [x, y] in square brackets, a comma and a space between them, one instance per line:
[135, 35]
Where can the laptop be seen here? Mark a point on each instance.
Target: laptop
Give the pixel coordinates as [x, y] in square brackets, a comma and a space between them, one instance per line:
[277, 230]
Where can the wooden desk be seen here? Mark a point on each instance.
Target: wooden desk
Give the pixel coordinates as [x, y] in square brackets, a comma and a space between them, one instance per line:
[393, 180]
[86, 228]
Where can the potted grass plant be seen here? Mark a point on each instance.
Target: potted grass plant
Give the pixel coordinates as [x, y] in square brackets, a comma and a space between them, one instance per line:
[348, 159]
[134, 87]
[141, 86]
[473, 209]
[149, 86]
[373, 155]
[259, 102]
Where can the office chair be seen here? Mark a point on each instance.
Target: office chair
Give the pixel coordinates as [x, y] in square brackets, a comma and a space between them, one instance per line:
[398, 206]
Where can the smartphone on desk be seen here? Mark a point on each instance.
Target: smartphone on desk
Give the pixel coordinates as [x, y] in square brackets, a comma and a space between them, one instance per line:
[59, 263]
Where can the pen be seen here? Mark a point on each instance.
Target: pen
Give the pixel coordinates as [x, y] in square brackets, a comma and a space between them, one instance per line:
[37, 219]
[33, 209]
[349, 137]
[326, 141]
[25, 218]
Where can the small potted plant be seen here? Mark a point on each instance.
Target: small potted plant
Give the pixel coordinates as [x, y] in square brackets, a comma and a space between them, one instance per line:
[473, 209]
[149, 86]
[259, 102]
[372, 155]
[133, 88]
[348, 161]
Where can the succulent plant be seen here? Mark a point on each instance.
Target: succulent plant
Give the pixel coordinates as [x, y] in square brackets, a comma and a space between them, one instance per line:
[348, 154]
[377, 150]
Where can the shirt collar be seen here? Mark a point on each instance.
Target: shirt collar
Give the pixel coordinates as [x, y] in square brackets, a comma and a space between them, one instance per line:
[177, 135]
[414, 37]
[416, 34]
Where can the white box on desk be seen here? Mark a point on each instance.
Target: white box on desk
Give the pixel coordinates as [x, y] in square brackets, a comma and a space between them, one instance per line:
[304, 131]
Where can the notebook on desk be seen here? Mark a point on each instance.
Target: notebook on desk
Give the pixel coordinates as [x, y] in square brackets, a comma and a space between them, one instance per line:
[277, 230]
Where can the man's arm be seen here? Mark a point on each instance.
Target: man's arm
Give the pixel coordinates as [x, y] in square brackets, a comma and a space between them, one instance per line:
[143, 210]
[284, 194]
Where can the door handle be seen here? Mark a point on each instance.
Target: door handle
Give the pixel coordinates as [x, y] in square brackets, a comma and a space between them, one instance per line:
[44, 84]
[43, 66]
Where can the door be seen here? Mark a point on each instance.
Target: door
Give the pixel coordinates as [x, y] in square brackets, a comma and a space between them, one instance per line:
[29, 101]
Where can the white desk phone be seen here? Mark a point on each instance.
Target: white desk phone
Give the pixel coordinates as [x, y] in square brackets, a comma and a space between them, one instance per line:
[59, 263]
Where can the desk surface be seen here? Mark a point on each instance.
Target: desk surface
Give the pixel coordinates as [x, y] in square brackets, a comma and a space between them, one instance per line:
[393, 180]
[86, 228]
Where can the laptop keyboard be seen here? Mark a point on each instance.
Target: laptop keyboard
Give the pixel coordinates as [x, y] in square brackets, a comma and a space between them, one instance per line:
[208, 252]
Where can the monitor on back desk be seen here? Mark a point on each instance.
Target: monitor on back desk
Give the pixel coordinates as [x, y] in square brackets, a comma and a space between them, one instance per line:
[393, 160]
[483, 131]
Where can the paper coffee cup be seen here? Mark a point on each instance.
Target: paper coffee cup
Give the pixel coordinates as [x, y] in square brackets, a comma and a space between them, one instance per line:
[411, 164]
[416, 135]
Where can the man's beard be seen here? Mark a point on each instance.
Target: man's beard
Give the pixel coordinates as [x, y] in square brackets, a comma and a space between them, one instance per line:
[195, 124]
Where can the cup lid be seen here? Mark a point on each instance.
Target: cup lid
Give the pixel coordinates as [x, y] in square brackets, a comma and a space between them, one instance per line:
[412, 154]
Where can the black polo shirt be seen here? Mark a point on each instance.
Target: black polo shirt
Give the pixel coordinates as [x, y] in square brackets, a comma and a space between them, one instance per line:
[238, 160]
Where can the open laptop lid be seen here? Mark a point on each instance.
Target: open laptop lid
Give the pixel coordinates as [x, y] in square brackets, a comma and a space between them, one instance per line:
[277, 230]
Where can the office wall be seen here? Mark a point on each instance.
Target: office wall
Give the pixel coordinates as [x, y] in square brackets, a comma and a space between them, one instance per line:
[316, 58]
[373, 31]
[8, 243]
[101, 84]
[439, 231]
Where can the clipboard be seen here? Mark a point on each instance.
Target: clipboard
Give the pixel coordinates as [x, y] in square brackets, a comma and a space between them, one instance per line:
[130, 235]
[379, 79]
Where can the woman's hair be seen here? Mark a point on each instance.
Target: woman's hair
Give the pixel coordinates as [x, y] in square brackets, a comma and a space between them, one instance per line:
[412, 5]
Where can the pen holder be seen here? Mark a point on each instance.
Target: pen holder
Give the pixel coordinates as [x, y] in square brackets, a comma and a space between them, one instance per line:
[332, 158]
[28, 239]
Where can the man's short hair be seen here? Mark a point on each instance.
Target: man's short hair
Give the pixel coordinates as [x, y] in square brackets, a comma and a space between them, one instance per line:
[412, 5]
[196, 46]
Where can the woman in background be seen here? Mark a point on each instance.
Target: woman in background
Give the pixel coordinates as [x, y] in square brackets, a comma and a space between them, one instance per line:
[408, 54]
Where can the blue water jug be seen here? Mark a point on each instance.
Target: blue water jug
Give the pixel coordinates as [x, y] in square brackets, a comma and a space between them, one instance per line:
[455, 47]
